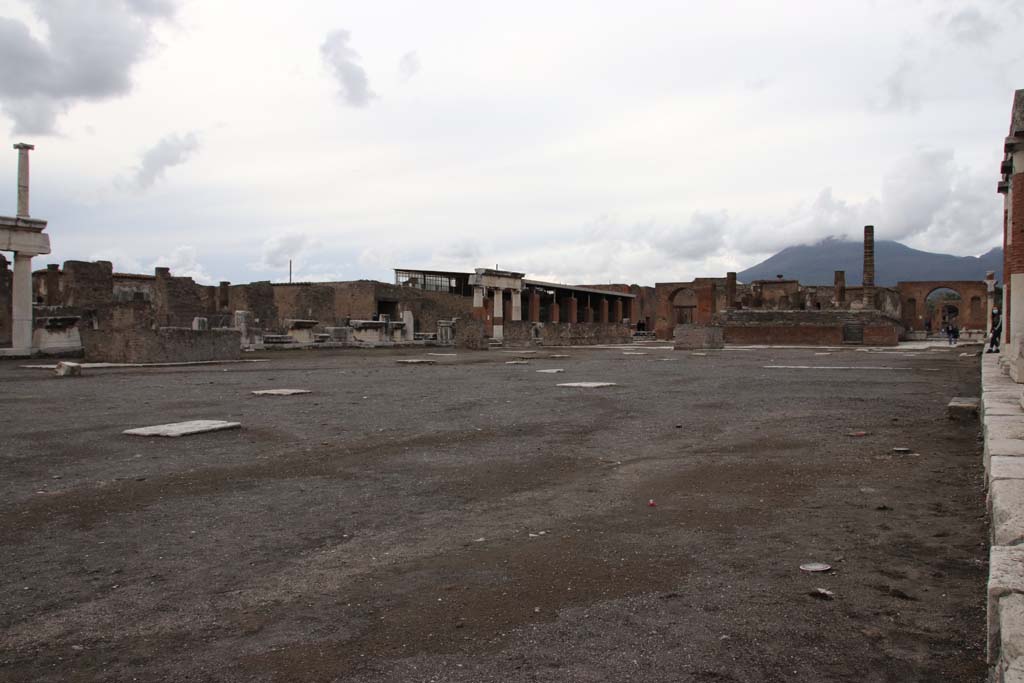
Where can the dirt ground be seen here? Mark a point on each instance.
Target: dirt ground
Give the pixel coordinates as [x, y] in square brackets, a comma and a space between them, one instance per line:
[470, 521]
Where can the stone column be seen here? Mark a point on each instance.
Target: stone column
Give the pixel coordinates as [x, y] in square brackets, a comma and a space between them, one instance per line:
[479, 312]
[23, 150]
[534, 306]
[517, 304]
[21, 300]
[730, 290]
[618, 310]
[573, 305]
[588, 315]
[869, 266]
[840, 287]
[554, 311]
[604, 310]
[498, 324]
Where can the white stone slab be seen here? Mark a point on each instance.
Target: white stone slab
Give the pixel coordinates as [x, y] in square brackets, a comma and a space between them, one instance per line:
[634, 353]
[417, 361]
[517, 362]
[1006, 467]
[183, 428]
[281, 392]
[442, 354]
[559, 355]
[552, 371]
[588, 385]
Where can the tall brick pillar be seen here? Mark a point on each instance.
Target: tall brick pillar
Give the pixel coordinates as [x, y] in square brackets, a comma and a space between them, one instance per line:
[634, 311]
[604, 310]
[534, 306]
[869, 266]
[588, 312]
[53, 284]
[840, 288]
[730, 290]
[572, 309]
[554, 311]
[223, 295]
[1012, 187]
[618, 311]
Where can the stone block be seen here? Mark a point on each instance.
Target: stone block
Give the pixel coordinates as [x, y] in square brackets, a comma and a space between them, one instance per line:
[1005, 579]
[200, 324]
[68, 369]
[1010, 667]
[1005, 467]
[962, 408]
[1006, 502]
[688, 337]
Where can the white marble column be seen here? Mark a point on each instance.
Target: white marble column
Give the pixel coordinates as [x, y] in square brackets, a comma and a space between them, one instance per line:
[517, 305]
[498, 315]
[21, 309]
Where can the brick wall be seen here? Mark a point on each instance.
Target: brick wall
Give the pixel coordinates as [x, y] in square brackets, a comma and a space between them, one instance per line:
[806, 327]
[164, 345]
[176, 300]
[521, 333]
[87, 285]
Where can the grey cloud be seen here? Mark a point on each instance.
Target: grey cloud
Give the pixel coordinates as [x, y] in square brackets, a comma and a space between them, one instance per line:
[344, 62]
[970, 26]
[897, 91]
[408, 66]
[172, 150]
[89, 54]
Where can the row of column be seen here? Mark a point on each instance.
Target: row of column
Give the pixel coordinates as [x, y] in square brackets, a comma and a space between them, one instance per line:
[559, 310]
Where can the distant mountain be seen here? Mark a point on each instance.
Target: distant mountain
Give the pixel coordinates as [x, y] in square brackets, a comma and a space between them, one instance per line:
[816, 264]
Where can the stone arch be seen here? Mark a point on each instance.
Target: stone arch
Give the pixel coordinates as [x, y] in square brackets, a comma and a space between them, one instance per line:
[684, 305]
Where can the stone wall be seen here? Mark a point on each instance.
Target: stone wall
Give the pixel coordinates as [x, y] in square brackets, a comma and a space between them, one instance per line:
[811, 328]
[6, 276]
[258, 299]
[524, 333]
[87, 285]
[176, 300]
[469, 334]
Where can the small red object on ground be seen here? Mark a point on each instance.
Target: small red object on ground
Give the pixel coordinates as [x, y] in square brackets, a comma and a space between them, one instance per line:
[651, 503]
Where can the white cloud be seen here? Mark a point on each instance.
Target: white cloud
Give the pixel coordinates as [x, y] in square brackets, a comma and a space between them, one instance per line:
[184, 262]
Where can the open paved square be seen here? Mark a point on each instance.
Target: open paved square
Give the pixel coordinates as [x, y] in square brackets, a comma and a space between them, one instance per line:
[469, 520]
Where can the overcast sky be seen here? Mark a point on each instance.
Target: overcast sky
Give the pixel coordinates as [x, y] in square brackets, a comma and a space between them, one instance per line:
[576, 141]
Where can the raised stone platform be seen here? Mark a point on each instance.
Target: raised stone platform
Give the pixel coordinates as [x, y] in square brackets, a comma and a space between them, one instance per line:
[1003, 426]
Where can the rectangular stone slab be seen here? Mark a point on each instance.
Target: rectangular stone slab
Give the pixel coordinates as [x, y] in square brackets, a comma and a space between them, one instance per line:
[280, 392]
[588, 385]
[552, 371]
[183, 428]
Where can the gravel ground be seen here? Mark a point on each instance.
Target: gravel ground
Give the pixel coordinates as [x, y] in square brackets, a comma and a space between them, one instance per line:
[471, 521]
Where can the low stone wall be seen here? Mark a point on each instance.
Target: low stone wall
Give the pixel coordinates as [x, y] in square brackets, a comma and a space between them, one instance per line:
[687, 337]
[525, 333]
[806, 328]
[1002, 421]
[469, 334]
[163, 345]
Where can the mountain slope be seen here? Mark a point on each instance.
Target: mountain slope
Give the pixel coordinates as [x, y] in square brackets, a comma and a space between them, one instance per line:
[816, 264]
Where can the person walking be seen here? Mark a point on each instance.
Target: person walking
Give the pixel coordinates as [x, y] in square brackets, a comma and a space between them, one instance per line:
[997, 331]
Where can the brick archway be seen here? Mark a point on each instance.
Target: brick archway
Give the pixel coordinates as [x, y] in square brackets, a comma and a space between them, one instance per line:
[666, 292]
[972, 308]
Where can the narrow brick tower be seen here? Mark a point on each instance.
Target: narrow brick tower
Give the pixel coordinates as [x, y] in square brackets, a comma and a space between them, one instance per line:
[869, 266]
